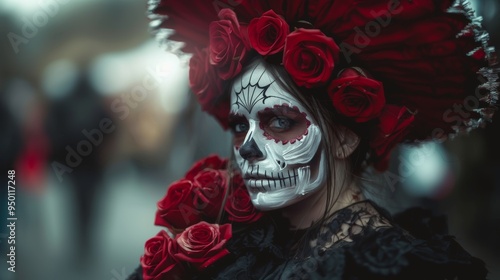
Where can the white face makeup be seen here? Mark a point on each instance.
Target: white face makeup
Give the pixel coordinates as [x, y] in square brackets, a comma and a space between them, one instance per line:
[276, 142]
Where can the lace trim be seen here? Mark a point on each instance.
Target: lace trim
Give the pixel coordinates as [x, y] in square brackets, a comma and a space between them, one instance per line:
[349, 222]
[367, 244]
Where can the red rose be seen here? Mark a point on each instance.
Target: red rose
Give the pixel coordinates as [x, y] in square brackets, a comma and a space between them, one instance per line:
[310, 57]
[158, 261]
[210, 188]
[210, 162]
[356, 96]
[176, 210]
[267, 34]
[203, 244]
[227, 47]
[239, 206]
[391, 129]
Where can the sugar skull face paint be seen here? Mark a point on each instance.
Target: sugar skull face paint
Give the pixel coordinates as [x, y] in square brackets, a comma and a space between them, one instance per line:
[277, 143]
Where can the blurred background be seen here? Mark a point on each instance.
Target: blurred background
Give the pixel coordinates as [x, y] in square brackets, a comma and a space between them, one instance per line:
[97, 120]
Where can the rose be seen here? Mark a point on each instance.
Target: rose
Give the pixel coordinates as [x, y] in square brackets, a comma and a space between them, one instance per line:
[267, 33]
[393, 126]
[158, 261]
[210, 186]
[356, 96]
[309, 57]
[203, 244]
[227, 47]
[239, 206]
[210, 162]
[176, 210]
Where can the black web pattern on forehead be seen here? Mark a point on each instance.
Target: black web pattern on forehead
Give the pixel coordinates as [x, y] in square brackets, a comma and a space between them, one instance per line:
[252, 93]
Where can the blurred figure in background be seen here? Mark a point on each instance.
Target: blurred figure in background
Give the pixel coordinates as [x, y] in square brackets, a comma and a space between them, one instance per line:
[77, 150]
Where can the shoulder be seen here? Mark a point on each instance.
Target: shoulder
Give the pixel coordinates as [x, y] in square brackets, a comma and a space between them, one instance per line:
[393, 253]
[415, 246]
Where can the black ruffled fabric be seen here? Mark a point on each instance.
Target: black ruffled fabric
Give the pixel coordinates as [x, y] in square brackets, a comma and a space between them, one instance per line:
[361, 241]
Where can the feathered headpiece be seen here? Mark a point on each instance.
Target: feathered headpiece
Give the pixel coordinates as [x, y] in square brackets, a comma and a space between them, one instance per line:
[432, 73]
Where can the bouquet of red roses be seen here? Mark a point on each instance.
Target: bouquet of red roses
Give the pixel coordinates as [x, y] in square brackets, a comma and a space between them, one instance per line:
[191, 210]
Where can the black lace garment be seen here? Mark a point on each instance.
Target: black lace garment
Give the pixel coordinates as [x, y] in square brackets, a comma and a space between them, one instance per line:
[361, 241]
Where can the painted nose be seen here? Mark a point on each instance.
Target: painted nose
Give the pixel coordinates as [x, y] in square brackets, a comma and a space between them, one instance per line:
[250, 150]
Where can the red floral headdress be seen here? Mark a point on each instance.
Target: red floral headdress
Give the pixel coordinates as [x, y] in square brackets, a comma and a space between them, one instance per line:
[432, 73]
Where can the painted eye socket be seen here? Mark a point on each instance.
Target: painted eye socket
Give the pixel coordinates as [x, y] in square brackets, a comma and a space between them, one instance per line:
[283, 123]
[240, 128]
[280, 124]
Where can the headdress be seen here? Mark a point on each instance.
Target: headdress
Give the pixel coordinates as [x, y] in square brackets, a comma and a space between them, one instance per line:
[431, 75]
[410, 70]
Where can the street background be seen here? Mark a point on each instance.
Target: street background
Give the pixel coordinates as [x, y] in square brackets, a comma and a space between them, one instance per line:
[97, 120]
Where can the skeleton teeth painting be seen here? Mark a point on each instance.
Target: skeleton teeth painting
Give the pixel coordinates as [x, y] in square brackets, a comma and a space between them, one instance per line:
[278, 144]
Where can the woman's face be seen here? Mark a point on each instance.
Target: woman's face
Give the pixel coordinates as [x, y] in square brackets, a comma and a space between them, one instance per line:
[277, 143]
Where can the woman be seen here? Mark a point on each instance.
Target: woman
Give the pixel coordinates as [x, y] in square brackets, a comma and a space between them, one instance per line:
[316, 93]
